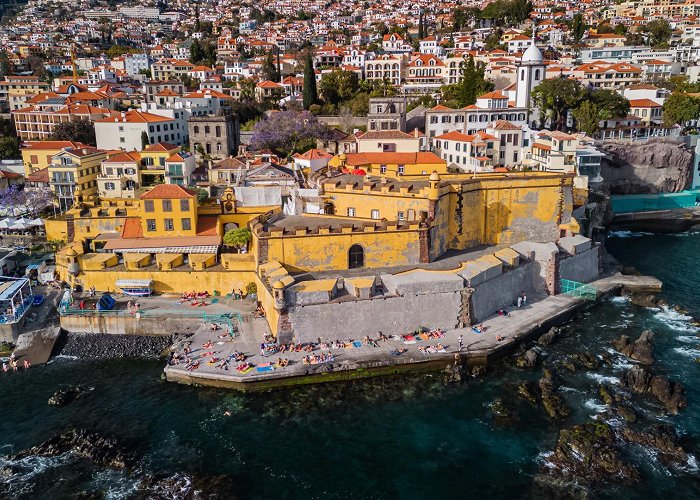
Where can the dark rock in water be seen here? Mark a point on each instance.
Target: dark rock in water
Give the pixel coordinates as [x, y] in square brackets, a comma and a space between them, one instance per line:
[662, 438]
[7, 471]
[549, 337]
[586, 359]
[528, 360]
[185, 487]
[588, 451]
[501, 413]
[644, 299]
[554, 405]
[627, 414]
[528, 390]
[569, 365]
[454, 373]
[640, 350]
[101, 450]
[605, 395]
[546, 486]
[62, 397]
[478, 370]
[670, 394]
[606, 358]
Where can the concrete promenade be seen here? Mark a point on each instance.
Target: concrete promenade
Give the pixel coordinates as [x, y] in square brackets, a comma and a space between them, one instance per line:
[540, 314]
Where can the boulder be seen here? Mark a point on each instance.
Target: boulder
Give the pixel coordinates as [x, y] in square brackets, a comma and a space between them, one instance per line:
[643, 299]
[627, 414]
[553, 404]
[549, 337]
[605, 395]
[528, 391]
[589, 451]
[102, 451]
[586, 359]
[640, 350]
[501, 413]
[528, 360]
[670, 394]
[661, 438]
[62, 397]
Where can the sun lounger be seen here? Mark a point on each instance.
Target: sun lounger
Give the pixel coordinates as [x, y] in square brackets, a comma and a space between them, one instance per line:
[265, 368]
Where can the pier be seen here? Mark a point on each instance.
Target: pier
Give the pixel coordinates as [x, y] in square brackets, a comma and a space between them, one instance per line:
[358, 360]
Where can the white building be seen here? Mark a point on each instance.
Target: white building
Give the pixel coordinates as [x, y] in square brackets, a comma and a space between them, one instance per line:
[125, 131]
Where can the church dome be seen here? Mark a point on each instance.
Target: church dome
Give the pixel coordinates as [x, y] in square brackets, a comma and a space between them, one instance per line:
[532, 54]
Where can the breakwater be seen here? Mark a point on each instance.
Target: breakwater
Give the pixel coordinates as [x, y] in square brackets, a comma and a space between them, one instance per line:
[101, 346]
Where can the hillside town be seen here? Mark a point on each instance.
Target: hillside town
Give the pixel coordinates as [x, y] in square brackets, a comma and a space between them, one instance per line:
[305, 153]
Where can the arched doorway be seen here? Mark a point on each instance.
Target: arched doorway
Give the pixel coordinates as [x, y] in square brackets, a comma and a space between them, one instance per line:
[356, 257]
[229, 226]
[329, 208]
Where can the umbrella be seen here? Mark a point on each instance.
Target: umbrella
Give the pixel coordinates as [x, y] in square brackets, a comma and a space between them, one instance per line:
[19, 226]
[24, 221]
[4, 224]
[36, 222]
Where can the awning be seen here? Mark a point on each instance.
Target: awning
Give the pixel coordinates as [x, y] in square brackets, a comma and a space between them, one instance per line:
[134, 283]
[194, 249]
[185, 244]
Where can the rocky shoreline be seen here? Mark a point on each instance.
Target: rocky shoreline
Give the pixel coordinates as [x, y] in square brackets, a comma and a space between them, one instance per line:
[100, 346]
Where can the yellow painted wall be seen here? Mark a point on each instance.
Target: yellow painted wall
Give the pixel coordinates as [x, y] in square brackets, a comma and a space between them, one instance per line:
[85, 171]
[176, 214]
[327, 252]
[35, 159]
[388, 204]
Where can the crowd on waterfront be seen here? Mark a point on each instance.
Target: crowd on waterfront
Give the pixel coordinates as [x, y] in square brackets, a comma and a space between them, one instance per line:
[12, 364]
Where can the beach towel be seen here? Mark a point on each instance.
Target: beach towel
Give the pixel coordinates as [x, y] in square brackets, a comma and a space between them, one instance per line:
[357, 344]
[442, 350]
[265, 368]
[245, 371]
[220, 343]
[409, 341]
[214, 301]
[476, 330]
[264, 365]
[409, 337]
[423, 336]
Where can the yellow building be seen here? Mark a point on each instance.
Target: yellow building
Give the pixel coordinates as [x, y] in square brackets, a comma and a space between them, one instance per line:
[169, 210]
[36, 155]
[17, 90]
[395, 165]
[73, 171]
[153, 158]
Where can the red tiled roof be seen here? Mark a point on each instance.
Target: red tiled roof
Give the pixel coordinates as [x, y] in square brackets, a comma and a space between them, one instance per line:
[132, 229]
[207, 225]
[168, 192]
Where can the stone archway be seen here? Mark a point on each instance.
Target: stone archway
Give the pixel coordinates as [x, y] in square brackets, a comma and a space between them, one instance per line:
[329, 208]
[356, 257]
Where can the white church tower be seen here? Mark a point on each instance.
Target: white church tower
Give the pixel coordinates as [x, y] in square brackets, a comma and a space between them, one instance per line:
[531, 71]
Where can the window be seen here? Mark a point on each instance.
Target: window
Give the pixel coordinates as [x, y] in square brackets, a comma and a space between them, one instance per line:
[375, 214]
[382, 169]
[207, 129]
[351, 212]
[150, 224]
[184, 205]
[196, 129]
[218, 131]
[167, 206]
[356, 257]
[401, 169]
[168, 223]
[186, 224]
[148, 206]
[400, 216]
[109, 186]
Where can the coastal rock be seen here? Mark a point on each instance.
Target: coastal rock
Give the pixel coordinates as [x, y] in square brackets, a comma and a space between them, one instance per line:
[549, 337]
[501, 413]
[182, 486]
[7, 471]
[654, 166]
[586, 359]
[62, 397]
[644, 299]
[670, 394]
[662, 438]
[528, 360]
[640, 350]
[101, 450]
[478, 370]
[605, 395]
[546, 486]
[528, 391]
[553, 404]
[588, 451]
[98, 346]
[627, 414]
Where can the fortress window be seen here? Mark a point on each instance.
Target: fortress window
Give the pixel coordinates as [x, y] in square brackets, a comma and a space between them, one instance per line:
[168, 223]
[375, 214]
[356, 257]
[150, 224]
[351, 212]
[148, 206]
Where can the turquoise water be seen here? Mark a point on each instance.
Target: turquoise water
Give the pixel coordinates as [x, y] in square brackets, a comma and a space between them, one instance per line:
[407, 437]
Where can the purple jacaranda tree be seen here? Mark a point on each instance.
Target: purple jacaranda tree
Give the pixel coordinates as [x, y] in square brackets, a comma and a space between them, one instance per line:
[13, 200]
[38, 200]
[288, 132]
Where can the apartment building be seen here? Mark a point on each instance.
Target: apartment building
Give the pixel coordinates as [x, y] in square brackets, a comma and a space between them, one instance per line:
[126, 130]
[74, 171]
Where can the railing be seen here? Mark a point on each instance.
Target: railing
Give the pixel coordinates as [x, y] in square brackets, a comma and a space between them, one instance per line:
[19, 311]
[581, 290]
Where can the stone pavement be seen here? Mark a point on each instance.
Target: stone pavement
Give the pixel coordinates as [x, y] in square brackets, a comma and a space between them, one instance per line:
[511, 328]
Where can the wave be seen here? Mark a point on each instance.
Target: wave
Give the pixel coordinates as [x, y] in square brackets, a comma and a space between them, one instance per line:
[595, 405]
[676, 320]
[619, 299]
[690, 353]
[603, 378]
[628, 234]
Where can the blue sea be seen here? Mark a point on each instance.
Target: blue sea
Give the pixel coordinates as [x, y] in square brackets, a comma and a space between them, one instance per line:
[411, 436]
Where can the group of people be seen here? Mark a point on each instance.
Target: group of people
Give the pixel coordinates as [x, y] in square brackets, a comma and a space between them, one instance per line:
[12, 364]
[432, 349]
[237, 294]
[318, 358]
[133, 307]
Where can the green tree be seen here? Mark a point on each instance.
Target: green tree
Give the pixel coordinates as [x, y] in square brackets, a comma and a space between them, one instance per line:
[80, 130]
[270, 70]
[680, 108]
[9, 148]
[238, 238]
[465, 17]
[610, 104]
[310, 94]
[587, 117]
[578, 28]
[5, 65]
[196, 52]
[472, 84]
[202, 195]
[659, 32]
[555, 97]
[338, 86]
[144, 140]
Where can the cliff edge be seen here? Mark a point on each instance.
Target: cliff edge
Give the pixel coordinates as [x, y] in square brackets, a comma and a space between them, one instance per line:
[654, 166]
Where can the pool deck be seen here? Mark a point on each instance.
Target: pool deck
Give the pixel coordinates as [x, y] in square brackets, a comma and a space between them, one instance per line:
[540, 314]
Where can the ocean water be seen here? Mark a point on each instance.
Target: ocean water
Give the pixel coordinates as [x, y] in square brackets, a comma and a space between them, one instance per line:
[404, 437]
